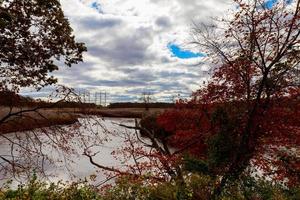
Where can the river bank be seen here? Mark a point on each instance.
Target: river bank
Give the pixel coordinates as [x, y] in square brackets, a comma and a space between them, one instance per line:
[62, 116]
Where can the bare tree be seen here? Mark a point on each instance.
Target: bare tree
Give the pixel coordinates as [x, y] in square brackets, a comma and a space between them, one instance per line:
[146, 98]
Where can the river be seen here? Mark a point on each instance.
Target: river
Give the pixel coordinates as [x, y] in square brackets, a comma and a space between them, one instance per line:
[57, 154]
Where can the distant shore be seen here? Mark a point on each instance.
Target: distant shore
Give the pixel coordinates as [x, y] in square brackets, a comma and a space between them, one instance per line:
[64, 116]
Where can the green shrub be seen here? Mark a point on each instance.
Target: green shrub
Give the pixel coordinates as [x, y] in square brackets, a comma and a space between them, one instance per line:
[37, 190]
[250, 188]
[196, 187]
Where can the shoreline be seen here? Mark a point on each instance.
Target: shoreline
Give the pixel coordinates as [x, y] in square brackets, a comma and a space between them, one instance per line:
[29, 123]
[66, 116]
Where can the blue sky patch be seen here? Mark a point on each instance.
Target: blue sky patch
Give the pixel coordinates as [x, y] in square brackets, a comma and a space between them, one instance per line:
[97, 7]
[270, 3]
[183, 54]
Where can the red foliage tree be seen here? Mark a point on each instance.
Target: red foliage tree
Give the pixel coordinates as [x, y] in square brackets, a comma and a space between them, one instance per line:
[248, 114]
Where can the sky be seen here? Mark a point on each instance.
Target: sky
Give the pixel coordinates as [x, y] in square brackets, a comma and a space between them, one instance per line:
[137, 46]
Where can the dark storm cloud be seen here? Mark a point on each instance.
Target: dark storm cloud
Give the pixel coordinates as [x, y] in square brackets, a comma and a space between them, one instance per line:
[96, 23]
[123, 98]
[169, 74]
[127, 49]
[143, 75]
[163, 22]
[77, 73]
[116, 83]
[140, 91]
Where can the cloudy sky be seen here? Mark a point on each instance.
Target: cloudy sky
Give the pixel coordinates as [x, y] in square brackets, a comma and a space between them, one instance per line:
[137, 46]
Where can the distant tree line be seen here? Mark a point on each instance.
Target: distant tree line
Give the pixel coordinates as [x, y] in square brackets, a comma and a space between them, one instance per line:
[8, 98]
[141, 105]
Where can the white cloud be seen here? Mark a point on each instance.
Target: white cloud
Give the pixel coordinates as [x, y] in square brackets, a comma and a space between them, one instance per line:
[127, 44]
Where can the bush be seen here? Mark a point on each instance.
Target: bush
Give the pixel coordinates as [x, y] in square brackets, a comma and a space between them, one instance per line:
[196, 187]
[37, 190]
[149, 123]
[199, 187]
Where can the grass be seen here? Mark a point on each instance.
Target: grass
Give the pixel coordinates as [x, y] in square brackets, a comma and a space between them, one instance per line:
[28, 122]
[64, 116]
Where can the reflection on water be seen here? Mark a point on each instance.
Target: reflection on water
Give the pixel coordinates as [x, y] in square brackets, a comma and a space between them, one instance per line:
[56, 153]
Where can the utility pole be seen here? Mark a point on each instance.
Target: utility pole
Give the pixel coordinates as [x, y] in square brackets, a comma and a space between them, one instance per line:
[84, 97]
[105, 99]
[100, 98]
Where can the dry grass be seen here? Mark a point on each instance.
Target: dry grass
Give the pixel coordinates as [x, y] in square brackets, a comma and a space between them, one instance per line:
[65, 116]
[32, 120]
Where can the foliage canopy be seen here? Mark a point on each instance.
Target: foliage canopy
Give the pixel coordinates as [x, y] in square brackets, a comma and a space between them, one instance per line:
[35, 38]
